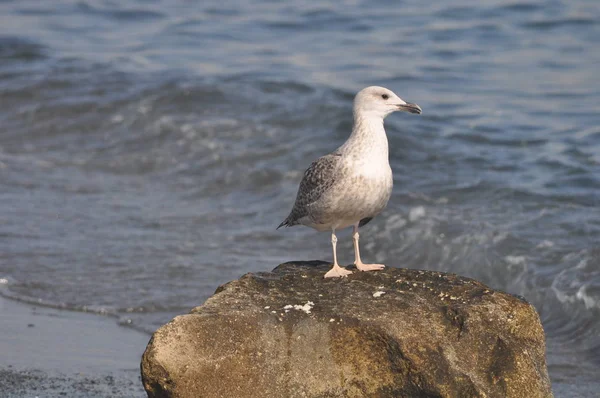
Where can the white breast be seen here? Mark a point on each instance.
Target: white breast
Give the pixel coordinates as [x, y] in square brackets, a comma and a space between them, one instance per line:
[373, 168]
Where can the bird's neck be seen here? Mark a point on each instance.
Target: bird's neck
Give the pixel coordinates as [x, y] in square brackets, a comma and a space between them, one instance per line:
[368, 137]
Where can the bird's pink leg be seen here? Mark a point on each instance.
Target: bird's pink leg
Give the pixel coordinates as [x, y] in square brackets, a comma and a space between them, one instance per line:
[336, 271]
[357, 261]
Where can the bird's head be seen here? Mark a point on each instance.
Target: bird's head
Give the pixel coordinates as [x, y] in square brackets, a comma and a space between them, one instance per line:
[379, 102]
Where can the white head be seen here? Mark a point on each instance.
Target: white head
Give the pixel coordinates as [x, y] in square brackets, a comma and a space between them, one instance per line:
[379, 102]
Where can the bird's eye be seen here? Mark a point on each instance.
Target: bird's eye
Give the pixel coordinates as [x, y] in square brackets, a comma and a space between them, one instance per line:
[385, 96]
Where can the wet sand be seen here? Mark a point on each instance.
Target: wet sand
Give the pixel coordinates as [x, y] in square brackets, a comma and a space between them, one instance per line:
[47, 352]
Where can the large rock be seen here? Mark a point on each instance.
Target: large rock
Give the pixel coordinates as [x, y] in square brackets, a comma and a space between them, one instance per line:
[391, 333]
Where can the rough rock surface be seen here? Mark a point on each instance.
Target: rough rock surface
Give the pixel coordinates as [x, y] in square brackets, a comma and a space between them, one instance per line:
[391, 333]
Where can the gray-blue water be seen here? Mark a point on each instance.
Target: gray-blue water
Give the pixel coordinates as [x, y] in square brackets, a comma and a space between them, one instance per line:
[148, 149]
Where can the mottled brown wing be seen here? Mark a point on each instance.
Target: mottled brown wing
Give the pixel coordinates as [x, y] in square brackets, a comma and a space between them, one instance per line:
[317, 179]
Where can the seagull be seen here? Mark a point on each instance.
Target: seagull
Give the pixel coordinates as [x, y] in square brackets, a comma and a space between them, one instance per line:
[352, 184]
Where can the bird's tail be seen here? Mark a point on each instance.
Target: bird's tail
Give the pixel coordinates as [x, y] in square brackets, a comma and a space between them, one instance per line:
[288, 222]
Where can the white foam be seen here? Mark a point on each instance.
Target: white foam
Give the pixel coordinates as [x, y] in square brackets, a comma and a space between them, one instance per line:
[589, 301]
[582, 264]
[416, 213]
[544, 244]
[118, 118]
[188, 130]
[499, 237]
[395, 221]
[516, 260]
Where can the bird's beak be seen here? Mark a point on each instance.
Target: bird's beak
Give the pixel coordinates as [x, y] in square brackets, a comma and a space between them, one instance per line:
[408, 107]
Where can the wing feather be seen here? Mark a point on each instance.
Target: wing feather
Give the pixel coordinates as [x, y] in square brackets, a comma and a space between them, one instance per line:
[320, 176]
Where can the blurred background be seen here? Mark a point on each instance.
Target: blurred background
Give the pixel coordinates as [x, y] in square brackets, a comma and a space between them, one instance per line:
[148, 150]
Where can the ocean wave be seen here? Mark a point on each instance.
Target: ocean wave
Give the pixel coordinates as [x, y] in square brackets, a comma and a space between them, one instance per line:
[18, 49]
